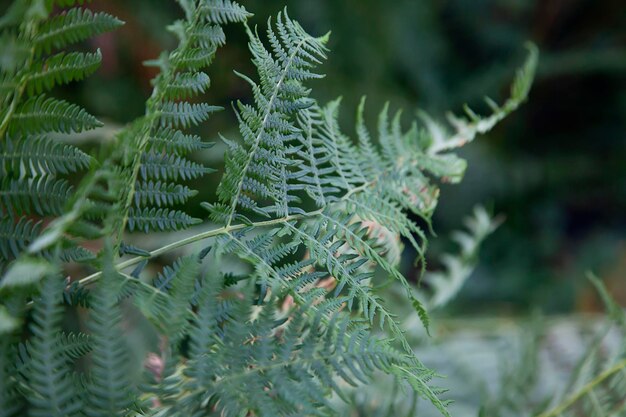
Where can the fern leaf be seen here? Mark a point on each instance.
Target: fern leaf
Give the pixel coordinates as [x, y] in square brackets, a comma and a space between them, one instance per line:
[39, 157]
[185, 114]
[43, 196]
[447, 283]
[62, 69]
[49, 374]
[171, 167]
[170, 140]
[46, 114]
[195, 58]
[159, 219]
[188, 84]
[73, 26]
[110, 388]
[75, 345]
[161, 193]
[15, 236]
[266, 128]
[285, 369]
[467, 128]
[223, 11]
[208, 35]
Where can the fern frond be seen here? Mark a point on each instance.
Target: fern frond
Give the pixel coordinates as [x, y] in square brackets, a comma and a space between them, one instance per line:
[252, 169]
[40, 157]
[49, 374]
[170, 140]
[188, 84]
[23, 121]
[72, 26]
[110, 388]
[43, 196]
[199, 36]
[171, 167]
[159, 219]
[468, 127]
[162, 194]
[42, 114]
[447, 283]
[223, 11]
[278, 369]
[62, 68]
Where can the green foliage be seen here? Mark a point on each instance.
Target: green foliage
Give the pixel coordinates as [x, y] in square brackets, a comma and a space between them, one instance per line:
[32, 165]
[313, 218]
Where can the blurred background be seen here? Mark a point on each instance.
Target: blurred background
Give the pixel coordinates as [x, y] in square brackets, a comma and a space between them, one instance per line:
[554, 169]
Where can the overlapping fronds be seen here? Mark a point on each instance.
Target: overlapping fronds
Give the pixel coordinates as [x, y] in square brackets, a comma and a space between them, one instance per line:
[158, 146]
[312, 216]
[284, 366]
[31, 164]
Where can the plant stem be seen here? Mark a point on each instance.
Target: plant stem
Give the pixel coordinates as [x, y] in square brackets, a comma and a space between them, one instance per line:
[588, 388]
[220, 231]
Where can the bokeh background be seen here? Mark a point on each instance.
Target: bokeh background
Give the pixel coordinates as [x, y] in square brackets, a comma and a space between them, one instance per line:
[555, 169]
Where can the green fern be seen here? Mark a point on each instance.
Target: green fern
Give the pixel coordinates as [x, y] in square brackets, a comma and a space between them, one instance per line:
[62, 69]
[49, 378]
[180, 78]
[109, 390]
[310, 215]
[31, 165]
[40, 196]
[72, 26]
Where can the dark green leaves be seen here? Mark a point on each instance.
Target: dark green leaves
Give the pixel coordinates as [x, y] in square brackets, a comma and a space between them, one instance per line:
[61, 69]
[73, 26]
[49, 375]
[46, 114]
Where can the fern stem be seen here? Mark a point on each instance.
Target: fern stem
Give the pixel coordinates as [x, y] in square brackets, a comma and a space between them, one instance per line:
[588, 388]
[216, 232]
[152, 115]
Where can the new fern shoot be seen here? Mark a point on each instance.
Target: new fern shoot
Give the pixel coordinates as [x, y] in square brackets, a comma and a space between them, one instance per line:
[312, 215]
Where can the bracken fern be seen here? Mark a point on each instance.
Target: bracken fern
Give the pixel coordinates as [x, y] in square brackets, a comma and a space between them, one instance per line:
[311, 215]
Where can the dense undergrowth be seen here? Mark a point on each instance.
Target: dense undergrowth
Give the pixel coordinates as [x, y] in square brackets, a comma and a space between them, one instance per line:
[284, 297]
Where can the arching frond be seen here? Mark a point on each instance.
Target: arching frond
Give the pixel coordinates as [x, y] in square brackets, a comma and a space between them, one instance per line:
[73, 26]
[39, 157]
[62, 68]
[46, 114]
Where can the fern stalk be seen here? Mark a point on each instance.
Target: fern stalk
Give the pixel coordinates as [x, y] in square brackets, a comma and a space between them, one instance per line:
[152, 115]
[217, 232]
